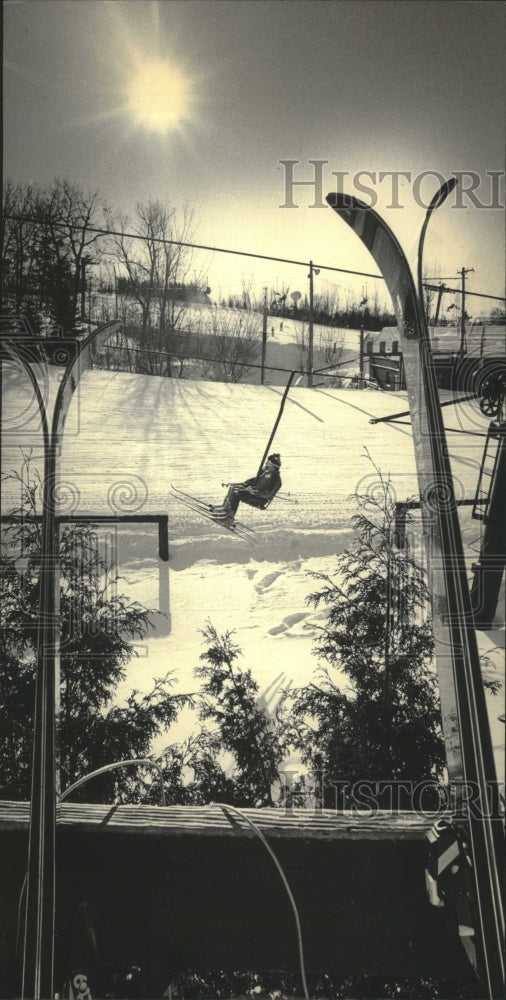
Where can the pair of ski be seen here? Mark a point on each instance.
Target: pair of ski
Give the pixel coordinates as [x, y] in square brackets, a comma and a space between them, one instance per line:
[469, 748]
[208, 511]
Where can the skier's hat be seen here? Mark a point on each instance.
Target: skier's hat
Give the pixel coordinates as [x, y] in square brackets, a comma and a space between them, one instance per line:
[275, 459]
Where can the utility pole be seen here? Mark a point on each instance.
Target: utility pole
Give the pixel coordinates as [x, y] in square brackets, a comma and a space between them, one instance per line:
[463, 271]
[361, 357]
[264, 338]
[86, 260]
[83, 289]
[440, 291]
[312, 271]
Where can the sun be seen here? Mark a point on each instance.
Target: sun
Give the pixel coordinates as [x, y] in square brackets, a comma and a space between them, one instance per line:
[159, 96]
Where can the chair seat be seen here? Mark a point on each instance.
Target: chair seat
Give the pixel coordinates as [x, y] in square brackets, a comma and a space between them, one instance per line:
[261, 503]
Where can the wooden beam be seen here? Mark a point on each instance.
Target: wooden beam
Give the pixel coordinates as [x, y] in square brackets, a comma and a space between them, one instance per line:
[206, 821]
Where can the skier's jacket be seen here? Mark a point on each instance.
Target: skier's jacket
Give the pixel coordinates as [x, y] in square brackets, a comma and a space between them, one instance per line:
[265, 485]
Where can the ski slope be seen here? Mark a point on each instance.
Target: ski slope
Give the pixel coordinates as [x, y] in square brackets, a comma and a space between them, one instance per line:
[129, 437]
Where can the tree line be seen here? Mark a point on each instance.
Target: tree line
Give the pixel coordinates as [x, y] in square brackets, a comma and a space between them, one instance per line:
[53, 238]
[69, 257]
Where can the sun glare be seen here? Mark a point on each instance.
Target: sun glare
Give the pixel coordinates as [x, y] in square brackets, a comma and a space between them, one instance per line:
[159, 96]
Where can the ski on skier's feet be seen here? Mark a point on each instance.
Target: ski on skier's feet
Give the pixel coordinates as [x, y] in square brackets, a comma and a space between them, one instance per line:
[235, 527]
[217, 510]
[205, 510]
[180, 493]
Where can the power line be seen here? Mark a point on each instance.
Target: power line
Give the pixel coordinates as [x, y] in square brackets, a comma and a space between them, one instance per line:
[196, 357]
[194, 246]
[458, 291]
[239, 253]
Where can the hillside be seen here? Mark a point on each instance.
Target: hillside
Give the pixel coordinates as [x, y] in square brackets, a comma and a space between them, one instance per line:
[129, 437]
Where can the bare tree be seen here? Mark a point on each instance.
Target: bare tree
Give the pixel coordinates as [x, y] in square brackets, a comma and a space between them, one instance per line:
[47, 236]
[232, 345]
[66, 220]
[301, 339]
[19, 252]
[156, 262]
[120, 354]
[331, 345]
[326, 304]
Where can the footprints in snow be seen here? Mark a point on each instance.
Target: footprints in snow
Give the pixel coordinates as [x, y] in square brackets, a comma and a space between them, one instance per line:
[295, 624]
[266, 582]
[289, 621]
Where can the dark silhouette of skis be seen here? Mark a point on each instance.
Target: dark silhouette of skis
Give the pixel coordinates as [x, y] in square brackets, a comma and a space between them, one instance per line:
[467, 737]
[206, 510]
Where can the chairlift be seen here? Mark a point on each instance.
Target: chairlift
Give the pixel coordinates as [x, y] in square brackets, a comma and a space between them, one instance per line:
[261, 503]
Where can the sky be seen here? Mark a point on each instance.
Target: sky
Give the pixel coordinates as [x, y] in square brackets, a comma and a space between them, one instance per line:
[198, 102]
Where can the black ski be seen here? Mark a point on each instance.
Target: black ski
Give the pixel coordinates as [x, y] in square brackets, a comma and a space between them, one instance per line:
[206, 507]
[189, 496]
[467, 731]
[205, 510]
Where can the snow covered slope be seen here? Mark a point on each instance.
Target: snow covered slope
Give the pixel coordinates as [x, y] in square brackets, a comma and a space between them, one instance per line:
[129, 437]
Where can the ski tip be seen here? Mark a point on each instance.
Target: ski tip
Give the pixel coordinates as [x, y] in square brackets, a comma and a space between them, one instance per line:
[344, 204]
[442, 193]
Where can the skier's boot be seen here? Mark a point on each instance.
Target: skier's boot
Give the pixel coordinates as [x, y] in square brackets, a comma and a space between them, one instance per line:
[224, 515]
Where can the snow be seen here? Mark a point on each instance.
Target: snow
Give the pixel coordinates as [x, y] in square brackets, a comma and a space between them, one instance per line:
[129, 437]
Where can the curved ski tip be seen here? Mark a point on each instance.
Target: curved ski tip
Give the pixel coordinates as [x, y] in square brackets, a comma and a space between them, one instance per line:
[443, 192]
[343, 203]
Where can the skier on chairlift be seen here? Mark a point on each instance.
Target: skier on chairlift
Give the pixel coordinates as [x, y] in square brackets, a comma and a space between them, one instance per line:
[256, 491]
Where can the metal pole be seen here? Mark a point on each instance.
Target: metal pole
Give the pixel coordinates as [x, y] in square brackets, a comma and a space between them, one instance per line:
[438, 306]
[278, 418]
[489, 570]
[83, 290]
[361, 357]
[310, 335]
[38, 958]
[462, 317]
[38, 953]
[264, 338]
[463, 271]
[40, 901]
